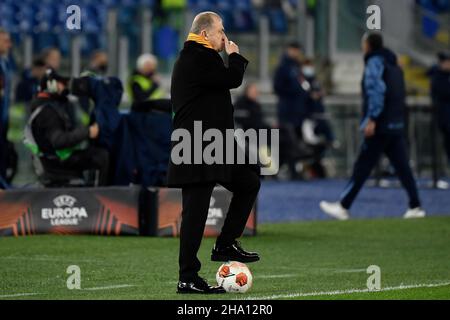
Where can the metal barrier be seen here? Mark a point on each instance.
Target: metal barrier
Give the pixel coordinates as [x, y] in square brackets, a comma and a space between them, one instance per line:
[425, 142]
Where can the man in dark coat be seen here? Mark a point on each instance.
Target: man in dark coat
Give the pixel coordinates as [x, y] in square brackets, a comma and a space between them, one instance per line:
[200, 92]
[289, 86]
[440, 93]
[292, 109]
[383, 124]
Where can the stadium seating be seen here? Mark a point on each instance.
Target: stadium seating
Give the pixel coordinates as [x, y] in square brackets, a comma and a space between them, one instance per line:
[45, 22]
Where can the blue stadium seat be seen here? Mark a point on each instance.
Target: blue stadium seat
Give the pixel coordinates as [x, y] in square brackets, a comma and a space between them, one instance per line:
[166, 42]
[278, 21]
[225, 6]
[243, 20]
[147, 3]
[205, 5]
[243, 4]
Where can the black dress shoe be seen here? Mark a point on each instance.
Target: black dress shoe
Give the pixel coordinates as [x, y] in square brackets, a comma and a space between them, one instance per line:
[233, 252]
[198, 286]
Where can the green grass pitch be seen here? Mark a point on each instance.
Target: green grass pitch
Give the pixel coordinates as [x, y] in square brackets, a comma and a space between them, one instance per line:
[313, 260]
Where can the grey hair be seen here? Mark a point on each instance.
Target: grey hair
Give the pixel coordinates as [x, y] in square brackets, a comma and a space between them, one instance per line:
[204, 20]
[143, 59]
[3, 31]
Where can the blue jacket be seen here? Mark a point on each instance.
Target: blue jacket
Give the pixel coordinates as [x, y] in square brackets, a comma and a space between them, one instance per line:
[383, 89]
[292, 107]
[5, 87]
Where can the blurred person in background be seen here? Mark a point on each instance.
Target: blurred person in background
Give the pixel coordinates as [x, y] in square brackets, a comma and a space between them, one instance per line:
[288, 88]
[292, 104]
[5, 91]
[28, 86]
[144, 84]
[316, 129]
[383, 124]
[98, 64]
[248, 111]
[440, 94]
[98, 67]
[59, 141]
[52, 58]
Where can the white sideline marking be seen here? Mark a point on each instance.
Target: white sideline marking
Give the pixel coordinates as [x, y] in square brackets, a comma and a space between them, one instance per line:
[18, 295]
[47, 258]
[341, 292]
[89, 289]
[349, 270]
[278, 276]
[119, 286]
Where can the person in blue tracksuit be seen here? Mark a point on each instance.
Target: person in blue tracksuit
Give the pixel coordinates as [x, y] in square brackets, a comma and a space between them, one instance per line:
[383, 125]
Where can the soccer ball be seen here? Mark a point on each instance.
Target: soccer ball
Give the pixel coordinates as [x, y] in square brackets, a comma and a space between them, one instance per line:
[234, 277]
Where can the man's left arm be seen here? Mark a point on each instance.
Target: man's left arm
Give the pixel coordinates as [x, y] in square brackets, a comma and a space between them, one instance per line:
[375, 88]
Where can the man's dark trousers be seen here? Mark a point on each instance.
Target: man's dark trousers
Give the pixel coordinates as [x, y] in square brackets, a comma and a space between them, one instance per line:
[394, 146]
[244, 185]
[446, 134]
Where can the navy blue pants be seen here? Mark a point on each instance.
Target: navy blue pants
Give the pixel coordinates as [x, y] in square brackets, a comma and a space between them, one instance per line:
[394, 146]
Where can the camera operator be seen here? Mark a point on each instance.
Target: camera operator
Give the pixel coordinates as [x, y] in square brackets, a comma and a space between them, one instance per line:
[58, 139]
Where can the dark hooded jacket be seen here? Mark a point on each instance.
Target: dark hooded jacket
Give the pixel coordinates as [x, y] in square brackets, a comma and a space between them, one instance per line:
[383, 89]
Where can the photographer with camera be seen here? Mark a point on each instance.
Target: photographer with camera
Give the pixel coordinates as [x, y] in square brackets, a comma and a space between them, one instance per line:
[57, 138]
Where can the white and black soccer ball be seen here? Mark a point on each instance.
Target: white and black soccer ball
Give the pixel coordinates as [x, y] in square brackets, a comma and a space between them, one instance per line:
[234, 277]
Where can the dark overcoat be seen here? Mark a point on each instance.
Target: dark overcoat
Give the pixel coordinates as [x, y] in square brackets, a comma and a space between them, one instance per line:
[200, 91]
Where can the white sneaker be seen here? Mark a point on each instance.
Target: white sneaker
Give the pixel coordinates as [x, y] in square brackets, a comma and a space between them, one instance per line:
[335, 210]
[414, 213]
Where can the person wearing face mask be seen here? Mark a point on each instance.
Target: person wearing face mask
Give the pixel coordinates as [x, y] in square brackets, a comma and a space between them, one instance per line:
[143, 85]
[58, 141]
[317, 132]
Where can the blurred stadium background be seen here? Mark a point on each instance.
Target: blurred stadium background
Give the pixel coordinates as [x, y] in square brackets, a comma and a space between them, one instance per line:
[330, 32]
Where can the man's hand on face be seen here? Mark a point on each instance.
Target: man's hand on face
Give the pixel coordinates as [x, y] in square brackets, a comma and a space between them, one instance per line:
[230, 47]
